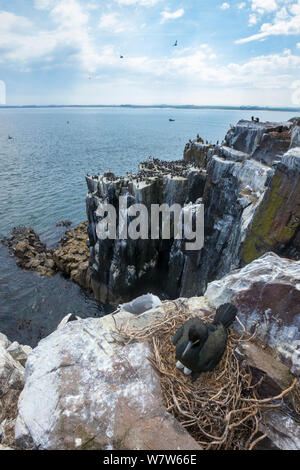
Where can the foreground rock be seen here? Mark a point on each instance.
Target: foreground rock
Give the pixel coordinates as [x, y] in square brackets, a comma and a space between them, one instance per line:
[85, 391]
[267, 295]
[282, 426]
[11, 384]
[250, 188]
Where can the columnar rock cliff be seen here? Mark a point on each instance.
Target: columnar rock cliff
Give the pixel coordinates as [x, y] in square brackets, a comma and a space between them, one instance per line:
[249, 186]
[120, 269]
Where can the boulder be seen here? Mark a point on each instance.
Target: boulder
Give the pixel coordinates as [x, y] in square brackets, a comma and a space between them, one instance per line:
[280, 425]
[276, 375]
[72, 256]
[11, 385]
[267, 295]
[281, 429]
[19, 352]
[84, 390]
[11, 374]
[4, 341]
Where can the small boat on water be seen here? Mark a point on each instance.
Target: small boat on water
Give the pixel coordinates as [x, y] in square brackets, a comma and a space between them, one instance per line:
[171, 120]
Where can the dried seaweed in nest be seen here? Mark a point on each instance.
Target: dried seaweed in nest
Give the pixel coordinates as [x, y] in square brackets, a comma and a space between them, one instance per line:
[221, 410]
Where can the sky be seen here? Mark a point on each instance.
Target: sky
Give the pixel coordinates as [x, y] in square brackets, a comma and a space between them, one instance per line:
[237, 52]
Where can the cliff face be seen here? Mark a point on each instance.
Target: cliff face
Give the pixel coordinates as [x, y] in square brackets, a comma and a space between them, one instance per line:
[249, 186]
[122, 268]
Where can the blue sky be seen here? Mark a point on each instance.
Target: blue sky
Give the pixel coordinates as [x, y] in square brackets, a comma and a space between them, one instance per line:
[234, 52]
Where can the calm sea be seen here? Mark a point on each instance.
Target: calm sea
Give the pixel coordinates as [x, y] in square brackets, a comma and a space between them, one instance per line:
[42, 181]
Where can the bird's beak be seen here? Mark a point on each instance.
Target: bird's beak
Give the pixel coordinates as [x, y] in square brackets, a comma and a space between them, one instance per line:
[189, 345]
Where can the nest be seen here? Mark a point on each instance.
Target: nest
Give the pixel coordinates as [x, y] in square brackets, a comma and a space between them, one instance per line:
[222, 409]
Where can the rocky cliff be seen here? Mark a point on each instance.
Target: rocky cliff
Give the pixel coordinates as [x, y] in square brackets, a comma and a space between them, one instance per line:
[249, 186]
[87, 387]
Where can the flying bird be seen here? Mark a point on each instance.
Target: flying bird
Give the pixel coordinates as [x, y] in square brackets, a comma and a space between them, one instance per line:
[200, 346]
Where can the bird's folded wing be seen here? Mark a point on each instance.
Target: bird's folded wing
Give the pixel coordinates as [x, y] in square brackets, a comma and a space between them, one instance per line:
[178, 335]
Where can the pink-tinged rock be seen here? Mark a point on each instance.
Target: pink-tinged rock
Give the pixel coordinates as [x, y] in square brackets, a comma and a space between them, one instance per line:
[84, 390]
[267, 295]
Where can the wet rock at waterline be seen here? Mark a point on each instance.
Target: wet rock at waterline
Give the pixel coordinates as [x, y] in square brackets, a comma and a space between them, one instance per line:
[71, 257]
[30, 252]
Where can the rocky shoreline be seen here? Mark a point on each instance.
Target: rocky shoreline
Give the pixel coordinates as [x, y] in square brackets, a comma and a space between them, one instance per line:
[83, 387]
[71, 257]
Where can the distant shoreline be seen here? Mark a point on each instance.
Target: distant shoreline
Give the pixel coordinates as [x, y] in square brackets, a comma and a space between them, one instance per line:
[130, 106]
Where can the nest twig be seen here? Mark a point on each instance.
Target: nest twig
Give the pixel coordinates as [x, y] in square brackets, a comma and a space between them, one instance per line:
[221, 410]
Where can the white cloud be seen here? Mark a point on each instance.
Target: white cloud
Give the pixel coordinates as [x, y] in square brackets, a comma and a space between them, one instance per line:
[168, 15]
[225, 6]
[274, 71]
[143, 3]
[43, 4]
[285, 22]
[282, 14]
[113, 23]
[18, 41]
[10, 20]
[21, 42]
[252, 19]
[264, 5]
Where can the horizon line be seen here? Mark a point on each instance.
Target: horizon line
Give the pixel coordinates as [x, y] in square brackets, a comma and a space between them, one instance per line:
[174, 106]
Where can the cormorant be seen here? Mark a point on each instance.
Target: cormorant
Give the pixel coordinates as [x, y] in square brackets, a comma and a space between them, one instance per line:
[200, 346]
